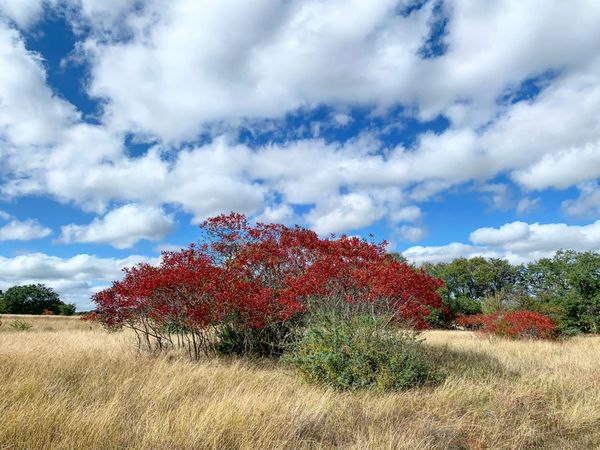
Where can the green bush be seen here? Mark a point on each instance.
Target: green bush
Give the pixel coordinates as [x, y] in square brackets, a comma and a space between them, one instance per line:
[21, 325]
[66, 309]
[492, 304]
[360, 352]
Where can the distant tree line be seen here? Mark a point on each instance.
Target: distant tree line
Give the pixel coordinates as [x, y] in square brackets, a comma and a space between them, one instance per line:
[33, 299]
[565, 287]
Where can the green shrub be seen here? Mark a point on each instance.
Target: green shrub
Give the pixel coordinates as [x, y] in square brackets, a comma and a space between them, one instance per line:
[66, 309]
[492, 304]
[21, 325]
[360, 352]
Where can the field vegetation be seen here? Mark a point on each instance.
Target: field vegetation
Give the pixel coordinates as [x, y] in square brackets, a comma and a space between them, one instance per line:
[70, 384]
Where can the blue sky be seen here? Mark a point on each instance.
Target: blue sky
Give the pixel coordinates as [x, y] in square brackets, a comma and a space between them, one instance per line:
[448, 128]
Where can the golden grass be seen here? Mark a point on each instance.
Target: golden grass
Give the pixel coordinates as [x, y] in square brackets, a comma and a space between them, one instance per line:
[68, 385]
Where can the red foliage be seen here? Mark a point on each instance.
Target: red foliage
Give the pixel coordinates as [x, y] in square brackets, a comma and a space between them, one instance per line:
[470, 322]
[47, 312]
[514, 324]
[90, 317]
[261, 274]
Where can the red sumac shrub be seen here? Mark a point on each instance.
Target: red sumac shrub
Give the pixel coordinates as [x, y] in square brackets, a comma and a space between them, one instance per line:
[512, 324]
[528, 324]
[90, 317]
[470, 322]
[252, 277]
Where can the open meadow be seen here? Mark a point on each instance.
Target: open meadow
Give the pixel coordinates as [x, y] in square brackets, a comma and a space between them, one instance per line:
[70, 384]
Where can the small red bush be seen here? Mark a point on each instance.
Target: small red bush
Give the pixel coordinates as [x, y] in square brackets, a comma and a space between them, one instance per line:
[471, 322]
[90, 317]
[513, 324]
[47, 312]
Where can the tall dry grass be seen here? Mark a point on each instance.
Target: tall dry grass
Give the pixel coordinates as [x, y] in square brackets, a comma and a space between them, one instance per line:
[66, 384]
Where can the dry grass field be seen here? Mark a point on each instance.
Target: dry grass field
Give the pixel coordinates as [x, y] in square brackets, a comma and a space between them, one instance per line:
[66, 384]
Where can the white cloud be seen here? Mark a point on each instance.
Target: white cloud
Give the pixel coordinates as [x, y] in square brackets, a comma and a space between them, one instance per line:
[499, 196]
[342, 119]
[507, 233]
[411, 234]
[30, 114]
[177, 74]
[26, 230]
[275, 58]
[349, 212]
[22, 12]
[75, 278]
[553, 141]
[527, 205]
[576, 164]
[104, 16]
[434, 254]
[277, 214]
[551, 237]
[220, 176]
[406, 214]
[518, 242]
[122, 227]
[588, 202]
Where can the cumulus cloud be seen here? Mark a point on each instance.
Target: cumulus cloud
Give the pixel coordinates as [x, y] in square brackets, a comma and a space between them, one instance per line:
[554, 140]
[350, 212]
[30, 114]
[275, 58]
[527, 205]
[406, 214]
[588, 202]
[517, 241]
[122, 227]
[507, 233]
[26, 230]
[22, 12]
[411, 234]
[277, 214]
[75, 278]
[221, 176]
[444, 253]
[176, 75]
[497, 194]
[342, 119]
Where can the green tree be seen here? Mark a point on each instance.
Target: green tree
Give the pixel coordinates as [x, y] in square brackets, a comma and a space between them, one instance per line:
[67, 309]
[549, 277]
[581, 305]
[469, 281]
[567, 288]
[30, 299]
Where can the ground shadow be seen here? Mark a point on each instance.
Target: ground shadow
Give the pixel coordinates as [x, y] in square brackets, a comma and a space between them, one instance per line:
[467, 363]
